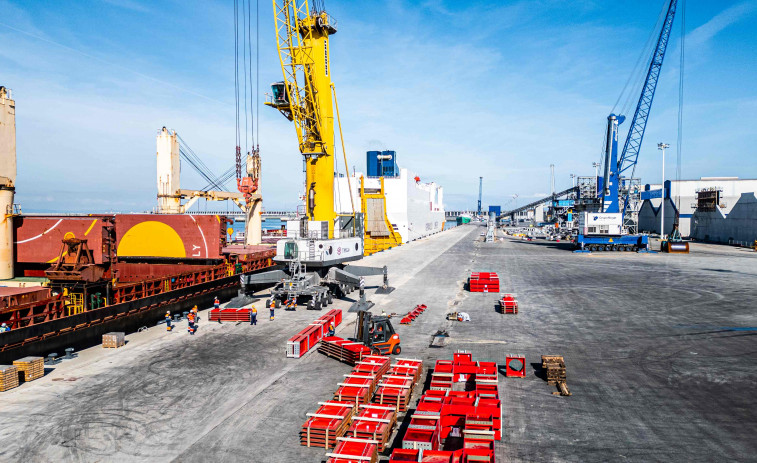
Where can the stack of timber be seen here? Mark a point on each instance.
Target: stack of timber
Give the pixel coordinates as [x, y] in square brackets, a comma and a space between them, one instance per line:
[352, 450]
[346, 351]
[554, 368]
[329, 422]
[8, 377]
[374, 422]
[114, 340]
[31, 367]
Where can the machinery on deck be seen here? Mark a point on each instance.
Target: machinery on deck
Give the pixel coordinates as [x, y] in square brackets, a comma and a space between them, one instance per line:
[618, 186]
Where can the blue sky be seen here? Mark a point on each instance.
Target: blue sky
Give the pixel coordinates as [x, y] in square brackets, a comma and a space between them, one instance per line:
[459, 89]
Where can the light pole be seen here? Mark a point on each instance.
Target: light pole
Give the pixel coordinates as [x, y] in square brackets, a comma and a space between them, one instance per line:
[662, 147]
[595, 165]
[573, 179]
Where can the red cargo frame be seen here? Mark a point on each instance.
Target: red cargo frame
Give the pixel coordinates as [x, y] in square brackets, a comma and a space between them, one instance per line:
[299, 344]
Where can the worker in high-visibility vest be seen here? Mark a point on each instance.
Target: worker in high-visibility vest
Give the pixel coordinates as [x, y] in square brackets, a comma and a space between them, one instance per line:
[253, 316]
[191, 319]
[168, 322]
[273, 306]
[216, 303]
[332, 329]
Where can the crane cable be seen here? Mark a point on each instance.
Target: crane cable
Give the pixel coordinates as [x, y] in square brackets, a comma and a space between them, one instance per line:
[344, 152]
[679, 142]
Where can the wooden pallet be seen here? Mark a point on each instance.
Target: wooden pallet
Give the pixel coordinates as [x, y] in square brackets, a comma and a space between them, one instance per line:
[30, 368]
[114, 340]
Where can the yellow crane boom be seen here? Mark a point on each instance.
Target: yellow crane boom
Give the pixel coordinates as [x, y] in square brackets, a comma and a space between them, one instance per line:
[305, 98]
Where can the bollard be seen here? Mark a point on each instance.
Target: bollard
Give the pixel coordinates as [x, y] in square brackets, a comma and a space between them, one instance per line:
[52, 359]
[184, 315]
[177, 317]
[69, 353]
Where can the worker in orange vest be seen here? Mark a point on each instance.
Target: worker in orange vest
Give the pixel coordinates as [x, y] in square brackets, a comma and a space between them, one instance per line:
[216, 303]
[332, 329]
[253, 316]
[273, 306]
[168, 322]
[191, 318]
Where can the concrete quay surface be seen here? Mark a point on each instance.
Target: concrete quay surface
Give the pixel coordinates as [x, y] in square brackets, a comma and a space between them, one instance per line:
[660, 359]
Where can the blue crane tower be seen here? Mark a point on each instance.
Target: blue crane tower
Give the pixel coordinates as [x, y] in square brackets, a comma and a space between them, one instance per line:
[606, 230]
[480, 186]
[616, 169]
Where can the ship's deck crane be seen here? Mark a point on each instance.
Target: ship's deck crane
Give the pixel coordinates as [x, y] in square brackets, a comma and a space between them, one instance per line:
[618, 174]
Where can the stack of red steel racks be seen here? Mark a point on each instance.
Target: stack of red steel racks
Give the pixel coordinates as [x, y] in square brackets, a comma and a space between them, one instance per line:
[355, 439]
[473, 415]
[413, 314]
[483, 282]
[508, 304]
[306, 339]
[353, 450]
[230, 315]
[343, 350]
[396, 387]
[359, 385]
[328, 423]
[374, 422]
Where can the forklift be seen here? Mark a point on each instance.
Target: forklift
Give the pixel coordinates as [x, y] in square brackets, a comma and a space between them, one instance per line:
[377, 332]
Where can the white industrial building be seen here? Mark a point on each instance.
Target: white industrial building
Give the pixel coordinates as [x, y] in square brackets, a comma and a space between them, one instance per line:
[682, 196]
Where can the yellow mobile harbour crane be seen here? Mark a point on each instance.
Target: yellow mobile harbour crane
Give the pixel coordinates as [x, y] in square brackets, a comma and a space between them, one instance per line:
[323, 240]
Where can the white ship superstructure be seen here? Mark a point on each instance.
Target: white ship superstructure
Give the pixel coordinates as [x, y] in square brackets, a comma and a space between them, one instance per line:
[415, 209]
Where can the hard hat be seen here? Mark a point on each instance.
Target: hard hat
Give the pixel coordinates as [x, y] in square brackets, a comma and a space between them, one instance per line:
[168, 312]
[3, 324]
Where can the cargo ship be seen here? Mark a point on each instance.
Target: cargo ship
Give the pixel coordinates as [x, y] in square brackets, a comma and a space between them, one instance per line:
[396, 206]
[115, 272]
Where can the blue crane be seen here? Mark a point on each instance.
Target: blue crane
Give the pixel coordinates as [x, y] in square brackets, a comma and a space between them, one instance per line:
[616, 168]
[480, 190]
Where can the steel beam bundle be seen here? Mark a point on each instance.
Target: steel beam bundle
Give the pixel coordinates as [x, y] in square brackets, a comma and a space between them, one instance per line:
[508, 304]
[483, 282]
[373, 422]
[475, 415]
[299, 344]
[353, 450]
[425, 456]
[327, 424]
[346, 351]
[413, 314]
[230, 315]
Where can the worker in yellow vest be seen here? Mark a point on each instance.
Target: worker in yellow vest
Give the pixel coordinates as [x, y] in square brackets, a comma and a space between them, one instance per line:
[332, 329]
[169, 328]
[273, 306]
[253, 316]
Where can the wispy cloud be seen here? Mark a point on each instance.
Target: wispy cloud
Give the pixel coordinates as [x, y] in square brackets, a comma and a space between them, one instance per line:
[129, 5]
[731, 15]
